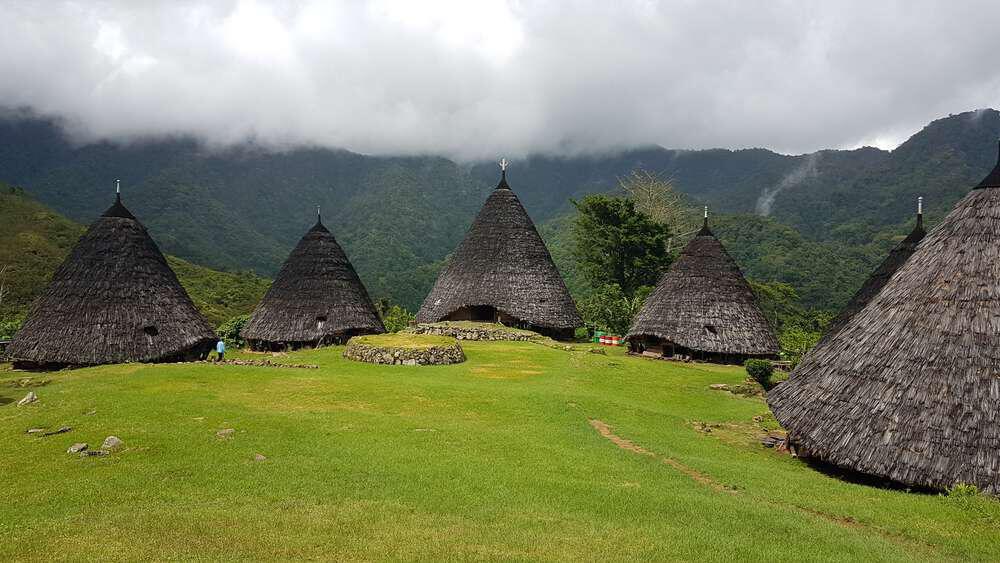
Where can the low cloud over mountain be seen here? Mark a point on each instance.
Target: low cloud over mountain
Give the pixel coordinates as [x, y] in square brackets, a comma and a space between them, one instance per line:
[478, 79]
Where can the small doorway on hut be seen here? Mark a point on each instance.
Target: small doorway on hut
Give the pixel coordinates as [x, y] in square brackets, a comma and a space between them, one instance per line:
[483, 313]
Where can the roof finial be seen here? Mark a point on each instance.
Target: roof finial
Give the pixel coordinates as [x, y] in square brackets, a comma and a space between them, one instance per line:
[318, 216]
[504, 163]
[118, 186]
[920, 213]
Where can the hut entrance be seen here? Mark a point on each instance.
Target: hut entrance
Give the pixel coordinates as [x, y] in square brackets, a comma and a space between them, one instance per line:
[483, 313]
[477, 313]
[661, 348]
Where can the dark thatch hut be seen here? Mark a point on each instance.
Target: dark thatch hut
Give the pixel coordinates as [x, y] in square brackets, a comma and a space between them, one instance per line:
[896, 258]
[113, 300]
[502, 272]
[317, 299]
[703, 309]
[907, 390]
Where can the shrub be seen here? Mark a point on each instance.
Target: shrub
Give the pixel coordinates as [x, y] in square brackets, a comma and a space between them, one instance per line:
[962, 490]
[795, 342]
[396, 318]
[8, 328]
[760, 371]
[229, 331]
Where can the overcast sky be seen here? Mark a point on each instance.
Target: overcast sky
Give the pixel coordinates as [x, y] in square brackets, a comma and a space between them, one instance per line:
[473, 79]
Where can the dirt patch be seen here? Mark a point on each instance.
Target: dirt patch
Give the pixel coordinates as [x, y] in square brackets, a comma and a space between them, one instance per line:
[629, 445]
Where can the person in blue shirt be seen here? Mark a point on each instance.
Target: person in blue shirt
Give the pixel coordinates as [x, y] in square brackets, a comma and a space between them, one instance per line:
[221, 349]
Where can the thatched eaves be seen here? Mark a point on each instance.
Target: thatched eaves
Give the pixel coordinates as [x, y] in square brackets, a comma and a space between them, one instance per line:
[503, 263]
[703, 303]
[316, 298]
[113, 300]
[908, 388]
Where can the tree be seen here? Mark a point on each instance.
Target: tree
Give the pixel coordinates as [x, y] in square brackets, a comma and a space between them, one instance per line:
[614, 243]
[609, 310]
[657, 198]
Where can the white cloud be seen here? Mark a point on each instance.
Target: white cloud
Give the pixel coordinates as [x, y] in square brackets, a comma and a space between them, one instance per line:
[478, 79]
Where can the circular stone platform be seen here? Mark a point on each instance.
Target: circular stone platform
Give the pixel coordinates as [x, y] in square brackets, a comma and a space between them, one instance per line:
[404, 349]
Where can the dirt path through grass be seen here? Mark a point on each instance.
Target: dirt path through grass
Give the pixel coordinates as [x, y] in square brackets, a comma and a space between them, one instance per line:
[844, 521]
[629, 445]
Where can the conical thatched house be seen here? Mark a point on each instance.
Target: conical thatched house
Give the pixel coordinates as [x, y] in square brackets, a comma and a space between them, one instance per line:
[113, 300]
[317, 299]
[908, 389]
[703, 309]
[896, 258]
[502, 272]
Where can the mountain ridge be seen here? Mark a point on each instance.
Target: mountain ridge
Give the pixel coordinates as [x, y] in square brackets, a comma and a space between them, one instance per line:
[398, 218]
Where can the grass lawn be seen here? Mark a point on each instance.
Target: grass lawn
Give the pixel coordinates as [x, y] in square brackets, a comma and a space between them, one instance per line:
[522, 452]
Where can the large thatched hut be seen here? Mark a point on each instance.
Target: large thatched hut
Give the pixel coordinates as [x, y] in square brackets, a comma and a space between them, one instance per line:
[502, 272]
[317, 299]
[896, 258]
[113, 300]
[703, 309]
[908, 389]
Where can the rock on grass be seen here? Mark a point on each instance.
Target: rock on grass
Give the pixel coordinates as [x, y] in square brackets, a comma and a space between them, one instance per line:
[28, 399]
[77, 448]
[112, 443]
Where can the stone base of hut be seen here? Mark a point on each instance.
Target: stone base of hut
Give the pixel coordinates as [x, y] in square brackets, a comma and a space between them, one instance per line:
[337, 339]
[665, 349]
[489, 314]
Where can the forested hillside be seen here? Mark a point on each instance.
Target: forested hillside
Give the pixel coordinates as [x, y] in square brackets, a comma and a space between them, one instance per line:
[832, 214]
[34, 240]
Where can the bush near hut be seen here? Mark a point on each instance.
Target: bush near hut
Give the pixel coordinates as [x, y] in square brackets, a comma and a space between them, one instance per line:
[760, 371]
[9, 327]
[394, 317]
[229, 331]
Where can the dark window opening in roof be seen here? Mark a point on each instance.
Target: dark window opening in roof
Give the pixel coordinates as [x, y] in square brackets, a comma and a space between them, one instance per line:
[710, 329]
[151, 330]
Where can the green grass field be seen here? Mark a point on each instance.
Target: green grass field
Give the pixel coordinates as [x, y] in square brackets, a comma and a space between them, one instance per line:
[522, 452]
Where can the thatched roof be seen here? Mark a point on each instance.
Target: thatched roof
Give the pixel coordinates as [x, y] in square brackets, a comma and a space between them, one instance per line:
[703, 303]
[503, 263]
[316, 297]
[896, 258]
[908, 388]
[113, 300]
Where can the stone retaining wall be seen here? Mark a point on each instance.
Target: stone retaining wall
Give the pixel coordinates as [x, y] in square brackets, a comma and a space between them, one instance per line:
[433, 355]
[487, 333]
